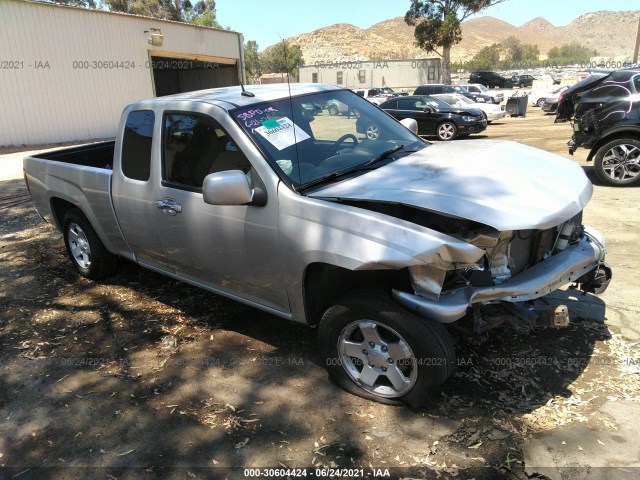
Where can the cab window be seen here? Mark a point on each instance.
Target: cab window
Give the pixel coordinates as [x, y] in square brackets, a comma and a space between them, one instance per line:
[136, 145]
[194, 146]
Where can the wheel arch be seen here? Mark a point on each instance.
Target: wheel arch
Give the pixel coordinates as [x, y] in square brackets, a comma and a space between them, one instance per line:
[323, 283]
[59, 208]
[623, 132]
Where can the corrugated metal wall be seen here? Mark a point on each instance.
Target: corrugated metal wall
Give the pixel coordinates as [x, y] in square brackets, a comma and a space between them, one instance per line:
[66, 73]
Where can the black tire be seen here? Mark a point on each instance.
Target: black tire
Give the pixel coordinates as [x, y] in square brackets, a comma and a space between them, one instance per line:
[333, 110]
[617, 162]
[89, 256]
[433, 352]
[540, 102]
[447, 131]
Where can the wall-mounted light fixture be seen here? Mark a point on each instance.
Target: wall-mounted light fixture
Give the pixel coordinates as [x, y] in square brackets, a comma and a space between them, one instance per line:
[155, 37]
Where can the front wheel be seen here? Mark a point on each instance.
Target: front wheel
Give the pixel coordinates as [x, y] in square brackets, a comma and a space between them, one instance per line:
[617, 162]
[333, 110]
[540, 102]
[89, 256]
[447, 131]
[374, 349]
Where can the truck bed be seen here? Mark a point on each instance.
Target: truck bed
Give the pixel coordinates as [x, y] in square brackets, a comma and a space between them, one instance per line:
[80, 176]
[98, 155]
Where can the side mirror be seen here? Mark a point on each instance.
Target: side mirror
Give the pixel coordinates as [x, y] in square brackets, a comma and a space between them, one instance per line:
[411, 124]
[227, 188]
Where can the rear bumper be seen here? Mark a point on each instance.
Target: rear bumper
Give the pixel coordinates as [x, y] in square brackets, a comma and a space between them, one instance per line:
[543, 278]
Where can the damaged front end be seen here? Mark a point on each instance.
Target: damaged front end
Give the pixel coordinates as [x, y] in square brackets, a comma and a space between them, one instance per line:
[518, 266]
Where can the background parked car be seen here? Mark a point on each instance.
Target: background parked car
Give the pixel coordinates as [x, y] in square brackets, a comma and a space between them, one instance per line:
[537, 97]
[490, 79]
[550, 104]
[522, 81]
[479, 89]
[491, 111]
[437, 88]
[606, 119]
[434, 117]
[335, 107]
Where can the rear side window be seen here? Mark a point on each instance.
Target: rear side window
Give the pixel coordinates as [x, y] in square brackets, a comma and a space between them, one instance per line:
[136, 145]
[406, 104]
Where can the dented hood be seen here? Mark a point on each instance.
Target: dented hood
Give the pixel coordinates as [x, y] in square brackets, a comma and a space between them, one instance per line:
[506, 185]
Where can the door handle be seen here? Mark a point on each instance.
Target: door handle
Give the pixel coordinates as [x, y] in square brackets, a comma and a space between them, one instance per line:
[169, 206]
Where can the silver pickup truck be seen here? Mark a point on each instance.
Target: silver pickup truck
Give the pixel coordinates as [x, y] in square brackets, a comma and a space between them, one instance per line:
[381, 244]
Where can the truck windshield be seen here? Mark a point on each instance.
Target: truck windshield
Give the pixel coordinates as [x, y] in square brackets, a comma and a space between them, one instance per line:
[314, 137]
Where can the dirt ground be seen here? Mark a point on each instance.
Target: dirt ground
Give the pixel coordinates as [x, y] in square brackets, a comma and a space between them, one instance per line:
[141, 376]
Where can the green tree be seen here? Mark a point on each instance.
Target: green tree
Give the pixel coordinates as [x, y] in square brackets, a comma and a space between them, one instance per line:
[202, 12]
[252, 63]
[487, 58]
[76, 3]
[282, 58]
[148, 8]
[437, 25]
[512, 48]
[570, 53]
[517, 52]
[530, 52]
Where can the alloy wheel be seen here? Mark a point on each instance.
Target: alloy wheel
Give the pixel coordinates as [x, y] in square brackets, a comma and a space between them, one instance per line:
[377, 358]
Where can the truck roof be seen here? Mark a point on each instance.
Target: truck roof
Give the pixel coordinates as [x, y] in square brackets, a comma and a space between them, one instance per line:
[231, 97]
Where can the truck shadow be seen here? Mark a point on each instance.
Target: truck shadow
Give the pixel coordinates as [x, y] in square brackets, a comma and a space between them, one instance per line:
[144, 372]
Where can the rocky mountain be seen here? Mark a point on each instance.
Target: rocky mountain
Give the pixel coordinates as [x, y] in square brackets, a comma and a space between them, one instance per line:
[610, 33]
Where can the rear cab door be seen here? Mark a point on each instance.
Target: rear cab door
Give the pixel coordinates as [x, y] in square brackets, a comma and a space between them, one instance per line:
[133, 185]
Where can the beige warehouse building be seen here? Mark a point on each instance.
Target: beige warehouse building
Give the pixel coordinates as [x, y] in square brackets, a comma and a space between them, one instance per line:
[397, 74]
[66, 73]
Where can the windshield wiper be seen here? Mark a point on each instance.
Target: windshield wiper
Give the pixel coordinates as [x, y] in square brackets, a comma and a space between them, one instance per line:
[341, 173]
[382, 156]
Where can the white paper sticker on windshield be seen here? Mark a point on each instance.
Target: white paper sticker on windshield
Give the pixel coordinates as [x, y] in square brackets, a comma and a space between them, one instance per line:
[281, 133]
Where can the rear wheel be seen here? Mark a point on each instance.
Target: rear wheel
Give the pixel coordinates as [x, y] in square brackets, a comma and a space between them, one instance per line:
[540, 102]
[89, 256]
[617, 162]
[447, 131]
[333, 110]
[375, 349]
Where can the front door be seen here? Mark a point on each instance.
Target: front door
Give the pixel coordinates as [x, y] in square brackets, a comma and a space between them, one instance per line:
[232, 249]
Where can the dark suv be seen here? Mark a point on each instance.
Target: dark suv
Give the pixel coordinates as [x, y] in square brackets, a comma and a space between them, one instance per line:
[605, 115]
[438, 88]
[522, 80]
[490, 79]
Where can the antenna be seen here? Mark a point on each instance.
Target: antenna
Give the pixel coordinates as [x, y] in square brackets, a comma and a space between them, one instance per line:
[246, 93]
[295, 141]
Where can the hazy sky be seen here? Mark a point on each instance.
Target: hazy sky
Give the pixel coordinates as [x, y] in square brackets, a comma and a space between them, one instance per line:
[269, 21]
